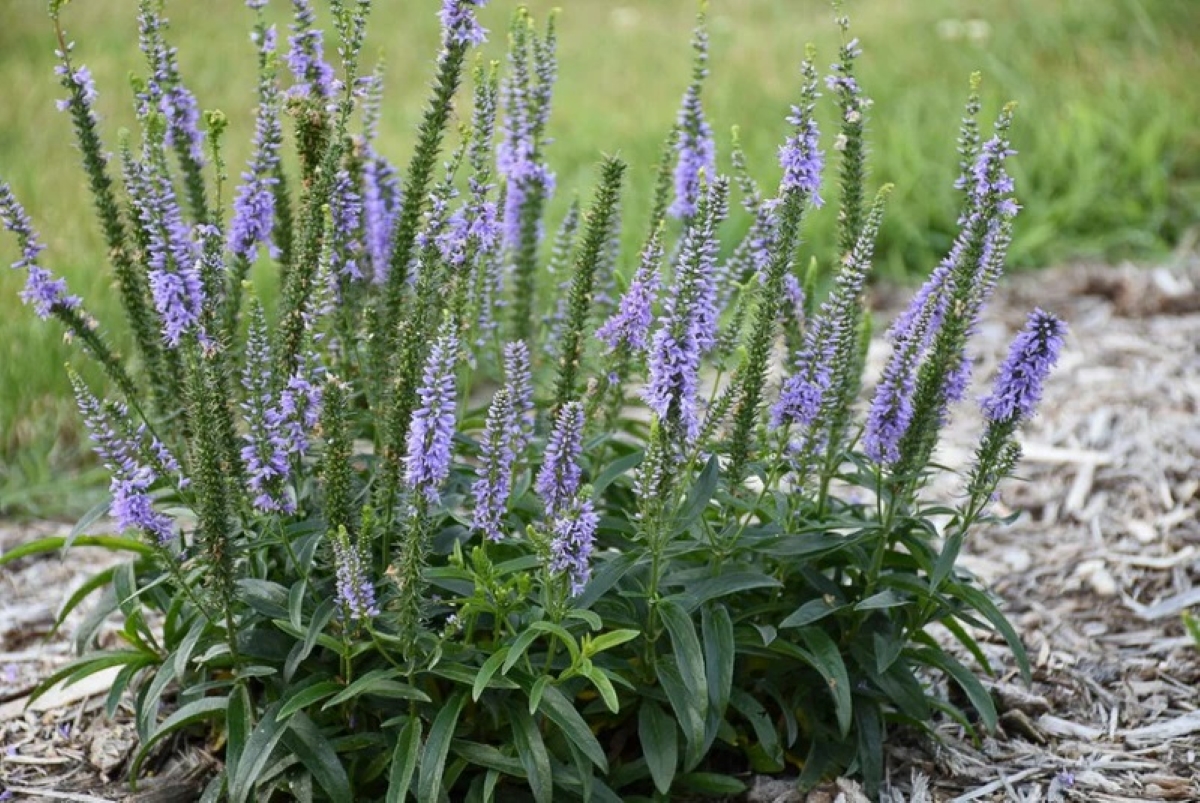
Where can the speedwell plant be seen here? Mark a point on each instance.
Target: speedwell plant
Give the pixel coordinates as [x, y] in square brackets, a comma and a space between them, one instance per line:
[461, 515]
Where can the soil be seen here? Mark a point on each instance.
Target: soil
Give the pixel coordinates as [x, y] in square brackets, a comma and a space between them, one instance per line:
[1101, 562]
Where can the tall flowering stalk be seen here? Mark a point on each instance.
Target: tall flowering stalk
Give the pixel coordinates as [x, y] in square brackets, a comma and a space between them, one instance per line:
[688, 323]
[956, 295]
[497, 458]
[558, 481]
[164, 92]
[519, 157]
[601, 218]
[629, 326]
[573, 535]
[696, 150]
[432, 432]
[776, 231]
[135, 462]
[355, 591]
[851, 142]
[254, 207]
[518, 382]
[380, 184]
[131, 281]
[457, 35]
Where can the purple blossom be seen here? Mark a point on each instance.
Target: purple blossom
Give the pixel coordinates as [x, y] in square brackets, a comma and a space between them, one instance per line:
[492, 489]
[696, 151]
[697, 154]
[558, 481]
[79, 83]
[801, 158]
[431, 433]
[179, 299]
[355, 591]
[630, 324]
[254, 207]
[123, 451]
[346, 210]
[573, 538]
[459, 26]
[381, 205]
[306, 56]
[688, 324]
[42, 290]
[518, 156]
[518, 382]
[164, 90]
[1019, 382]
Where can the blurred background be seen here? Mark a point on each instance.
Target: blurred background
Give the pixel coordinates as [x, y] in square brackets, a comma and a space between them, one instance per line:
[1108, 134]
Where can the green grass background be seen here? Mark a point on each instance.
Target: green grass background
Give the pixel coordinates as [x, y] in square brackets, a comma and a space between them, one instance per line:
[1109, 163]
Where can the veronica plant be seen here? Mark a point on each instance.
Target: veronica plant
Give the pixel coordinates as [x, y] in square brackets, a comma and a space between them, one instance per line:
[382, 549]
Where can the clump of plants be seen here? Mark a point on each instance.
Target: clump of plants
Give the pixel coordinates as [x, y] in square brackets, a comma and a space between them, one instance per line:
[472, 513]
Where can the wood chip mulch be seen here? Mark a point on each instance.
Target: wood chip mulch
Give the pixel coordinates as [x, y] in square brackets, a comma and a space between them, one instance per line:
[1095, 574]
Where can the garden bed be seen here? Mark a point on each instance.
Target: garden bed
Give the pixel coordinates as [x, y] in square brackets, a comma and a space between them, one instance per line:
[1095, 573]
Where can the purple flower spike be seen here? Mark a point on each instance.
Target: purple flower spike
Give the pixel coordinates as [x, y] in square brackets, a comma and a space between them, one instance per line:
[124, 452]
[518, 381]
[306, 58]
[574, 536]
[630, 324]
[695, 148]
[42, 290]
[492, 489]
[355, 592]
[801, 158]
[558, 481]
[432, 431]
[164, 90]
[254, 207]
[1019, 383]
[688, 324]
[459, 26]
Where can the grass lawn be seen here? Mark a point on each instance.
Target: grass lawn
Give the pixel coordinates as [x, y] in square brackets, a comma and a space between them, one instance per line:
[1109, 161]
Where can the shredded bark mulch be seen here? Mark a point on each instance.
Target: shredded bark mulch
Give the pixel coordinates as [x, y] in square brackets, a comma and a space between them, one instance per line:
[1094, 574]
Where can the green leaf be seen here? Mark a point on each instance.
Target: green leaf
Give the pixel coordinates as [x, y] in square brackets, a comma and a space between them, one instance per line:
[437, 747]
[518, 649]
[148, 702]
[660, 744]
[297, 700]
[976, 693]
[828, 661]
[685, 704]
[489, 668]
[190, 714]
[404, 761]
[81, 668]
[316, 629]
[870, 744]
[715, 587]
[593, 621]
[603, 685]
[1192, 624]
[94, 514]
[559, 710]
[559, 632]
[296, 603]
[488, 757]
[531, 750]
[615, 469]
[238, 726]
[98, 580]
[113, 543]
[183, 655]
[720, 652]
[713, 784]
[606, 641]
[980, 602]
[812, 611]
[268, 598]
[381, 683]
[318, 757]
[764, 728]
[259, 747]
[686, 646]
[884, 600]
[535, 694]
[700, 494]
